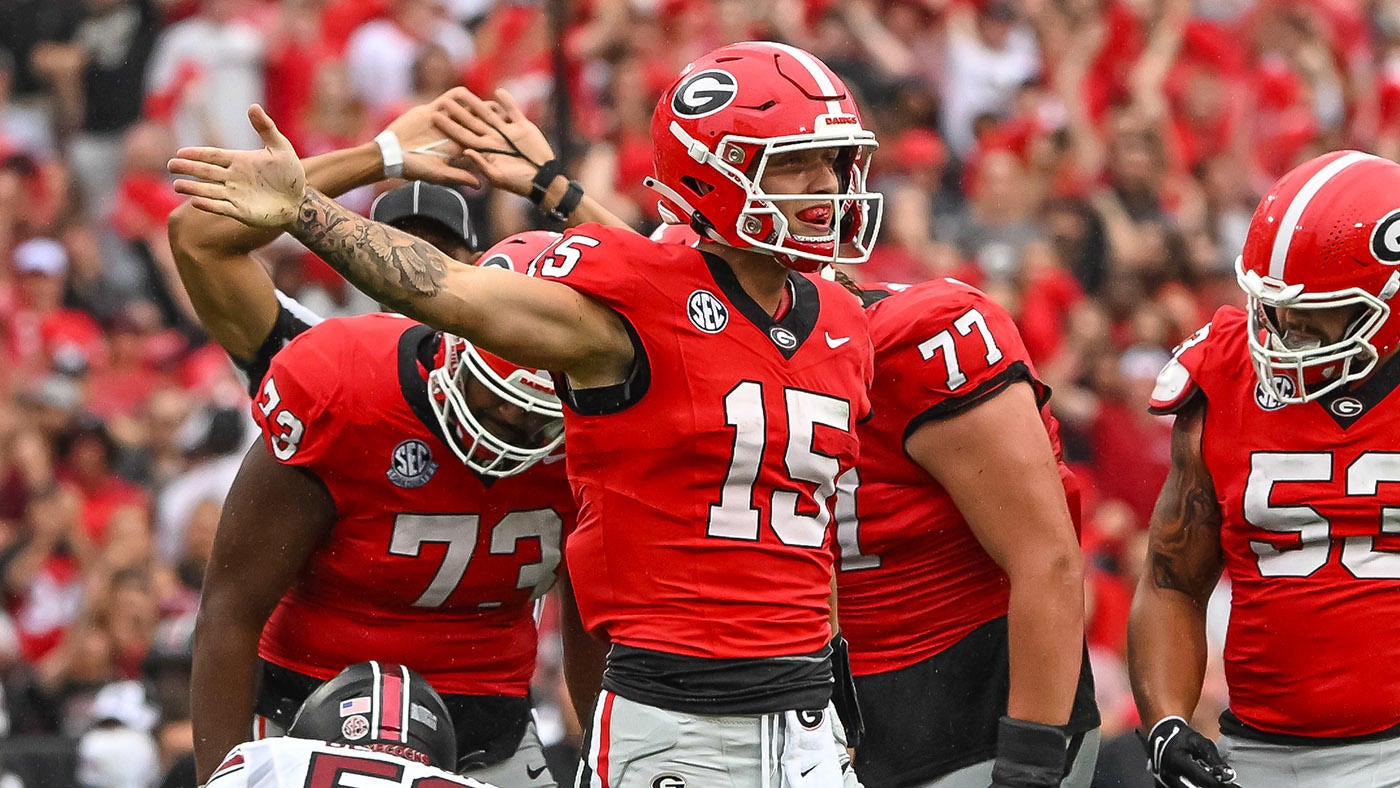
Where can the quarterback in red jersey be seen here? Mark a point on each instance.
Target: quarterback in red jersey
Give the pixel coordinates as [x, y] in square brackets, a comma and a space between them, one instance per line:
[711, 399]
[1284, 476]
[963, 610]
[384, 545]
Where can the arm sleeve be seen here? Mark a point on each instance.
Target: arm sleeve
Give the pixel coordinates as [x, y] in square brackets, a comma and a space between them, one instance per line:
[301, 405]
[292, 320]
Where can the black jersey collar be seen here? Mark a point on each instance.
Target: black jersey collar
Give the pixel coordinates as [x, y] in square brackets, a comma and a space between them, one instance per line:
[1348, 406]
[788, 334]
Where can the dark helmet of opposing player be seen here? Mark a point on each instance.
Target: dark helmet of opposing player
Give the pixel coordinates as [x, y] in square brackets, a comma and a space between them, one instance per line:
[1325, 236]
[488, 451]
[383, 707]
[721, 122]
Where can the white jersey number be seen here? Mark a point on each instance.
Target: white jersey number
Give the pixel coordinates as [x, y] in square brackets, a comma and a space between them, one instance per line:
[459, 532]
[1359, 553]
[735, 516]
[943, 342]
[284, 444]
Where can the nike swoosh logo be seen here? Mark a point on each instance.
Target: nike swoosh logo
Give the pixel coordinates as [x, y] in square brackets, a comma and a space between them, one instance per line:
[812, 768]
[533, 773]
[835, 342]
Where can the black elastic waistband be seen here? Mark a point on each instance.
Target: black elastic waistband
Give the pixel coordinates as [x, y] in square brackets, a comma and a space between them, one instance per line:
[1234, 726]
[698, 685]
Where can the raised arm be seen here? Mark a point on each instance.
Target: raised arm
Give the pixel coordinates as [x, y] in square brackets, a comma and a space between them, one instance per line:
[231, 291]
[1167, 624]
[529, 321]
[500, 140]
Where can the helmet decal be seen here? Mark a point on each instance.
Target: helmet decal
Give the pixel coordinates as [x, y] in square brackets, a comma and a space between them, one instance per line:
[705, 93]
[1385, 239]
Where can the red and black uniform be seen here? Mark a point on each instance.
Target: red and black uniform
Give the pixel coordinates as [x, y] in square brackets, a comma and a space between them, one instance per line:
[705, 481]
[427, 565]
[1309, 495]
[922, 605]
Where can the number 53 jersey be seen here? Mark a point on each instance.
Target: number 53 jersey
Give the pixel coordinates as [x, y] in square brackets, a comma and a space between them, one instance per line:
[1310, 496]
[427, 564]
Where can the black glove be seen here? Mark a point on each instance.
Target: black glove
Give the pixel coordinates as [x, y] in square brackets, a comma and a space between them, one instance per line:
[1029, 754]
[843, 694]
[1180, 757]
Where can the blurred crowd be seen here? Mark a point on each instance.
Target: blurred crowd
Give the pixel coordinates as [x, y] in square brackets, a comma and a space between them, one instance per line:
[1092, 164]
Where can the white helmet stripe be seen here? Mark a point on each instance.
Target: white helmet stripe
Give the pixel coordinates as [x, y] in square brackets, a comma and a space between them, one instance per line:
[1289, 223]
[833, 107]
[375, 702]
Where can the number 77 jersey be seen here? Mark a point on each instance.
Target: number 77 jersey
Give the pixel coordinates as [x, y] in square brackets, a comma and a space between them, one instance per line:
[913, 578]
[1310, 498]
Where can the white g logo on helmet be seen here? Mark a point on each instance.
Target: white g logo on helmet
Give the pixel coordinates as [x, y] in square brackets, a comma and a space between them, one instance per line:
[1385, 239]
[705, 94]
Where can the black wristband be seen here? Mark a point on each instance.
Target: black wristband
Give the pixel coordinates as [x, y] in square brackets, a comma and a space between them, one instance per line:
[568, 203]
[544, 178]
[1029, 754]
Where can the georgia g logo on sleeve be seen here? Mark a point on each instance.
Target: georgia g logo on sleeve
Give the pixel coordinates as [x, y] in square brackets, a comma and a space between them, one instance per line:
[705, 93]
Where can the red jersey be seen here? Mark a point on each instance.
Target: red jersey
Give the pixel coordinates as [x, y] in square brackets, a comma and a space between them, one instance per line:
[1309, 495]
[426, 565]
[913, 578]
[705, 483]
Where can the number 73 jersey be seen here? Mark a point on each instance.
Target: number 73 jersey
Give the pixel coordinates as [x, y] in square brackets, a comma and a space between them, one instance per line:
[426, 565]
[1310, 496]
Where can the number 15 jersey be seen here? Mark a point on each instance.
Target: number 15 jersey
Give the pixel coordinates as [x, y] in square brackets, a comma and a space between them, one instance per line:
[705, 483]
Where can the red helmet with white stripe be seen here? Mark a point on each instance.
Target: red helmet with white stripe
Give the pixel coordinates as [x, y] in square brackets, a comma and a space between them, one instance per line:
[716, 128]
[381, 707]
[1326, 236]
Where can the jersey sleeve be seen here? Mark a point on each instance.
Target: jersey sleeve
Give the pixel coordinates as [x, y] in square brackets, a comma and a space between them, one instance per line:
[293, 319]
[301, 405]
[952, 348]
[1177, 382]
[232, 773]
[603, 263]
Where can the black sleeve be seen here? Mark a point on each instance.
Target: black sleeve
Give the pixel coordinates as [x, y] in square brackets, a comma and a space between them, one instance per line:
[292, 320]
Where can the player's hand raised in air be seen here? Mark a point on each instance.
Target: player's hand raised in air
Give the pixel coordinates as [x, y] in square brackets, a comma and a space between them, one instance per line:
[495, 137]
[428, 154]
[260, 188]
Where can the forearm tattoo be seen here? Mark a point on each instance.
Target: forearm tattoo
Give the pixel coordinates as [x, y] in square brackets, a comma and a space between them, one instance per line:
[388, 264]
[1184, 547]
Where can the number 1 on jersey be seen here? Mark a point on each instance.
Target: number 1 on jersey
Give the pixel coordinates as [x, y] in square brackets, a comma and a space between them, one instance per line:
[736, 516]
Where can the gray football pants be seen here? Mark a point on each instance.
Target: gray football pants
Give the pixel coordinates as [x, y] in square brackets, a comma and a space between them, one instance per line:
[634, 745]
[1374, 764]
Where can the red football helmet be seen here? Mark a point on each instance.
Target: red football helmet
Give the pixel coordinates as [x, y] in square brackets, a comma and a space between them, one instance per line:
[1327, 235]
[718, 125]
[475, 443]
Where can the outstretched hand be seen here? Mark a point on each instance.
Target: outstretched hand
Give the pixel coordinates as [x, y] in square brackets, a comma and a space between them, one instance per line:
[260, 188]
[428, 154]
[495, 136]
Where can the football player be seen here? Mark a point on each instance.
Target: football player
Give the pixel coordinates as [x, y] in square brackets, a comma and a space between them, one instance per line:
[381, 544]
[1286, 475]
[372, 725]
[711, 397]
[963, 609]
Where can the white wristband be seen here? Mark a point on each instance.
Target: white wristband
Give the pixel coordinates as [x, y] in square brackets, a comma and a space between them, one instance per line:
[391, 152]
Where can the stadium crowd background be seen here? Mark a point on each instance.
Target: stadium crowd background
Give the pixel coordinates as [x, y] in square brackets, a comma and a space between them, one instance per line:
[1092, 164]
